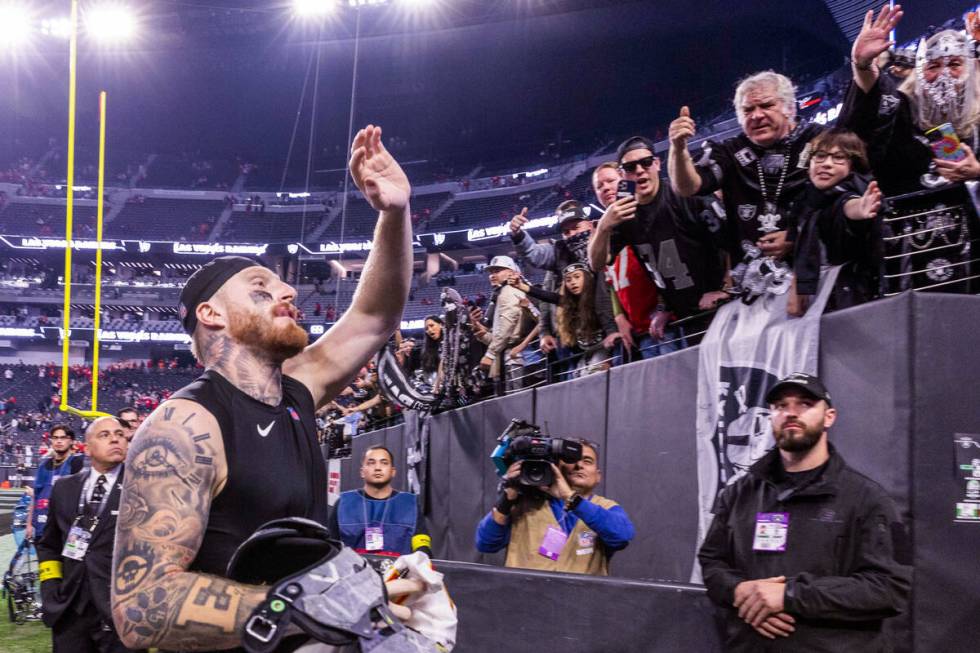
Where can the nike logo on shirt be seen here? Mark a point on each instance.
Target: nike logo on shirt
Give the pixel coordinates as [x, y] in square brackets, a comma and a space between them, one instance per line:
[265, 431]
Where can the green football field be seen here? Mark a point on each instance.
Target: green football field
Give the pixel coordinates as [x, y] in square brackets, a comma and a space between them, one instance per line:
[31, 637]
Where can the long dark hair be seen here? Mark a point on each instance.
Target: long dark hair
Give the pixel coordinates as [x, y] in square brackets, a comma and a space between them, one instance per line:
[430, 346]
[577, 319]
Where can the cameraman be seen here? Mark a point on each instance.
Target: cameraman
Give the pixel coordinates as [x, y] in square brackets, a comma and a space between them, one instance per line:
[560, 527]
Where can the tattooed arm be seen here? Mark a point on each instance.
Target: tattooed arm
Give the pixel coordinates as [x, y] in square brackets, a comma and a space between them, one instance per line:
[175, 467]
[330, 363]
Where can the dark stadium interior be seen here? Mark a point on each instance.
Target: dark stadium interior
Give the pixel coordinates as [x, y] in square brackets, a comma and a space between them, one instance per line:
[228, 133]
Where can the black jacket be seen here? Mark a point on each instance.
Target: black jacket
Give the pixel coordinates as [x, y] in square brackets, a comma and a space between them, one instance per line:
[897, 149]
[841, 563]
[84, 581]
[823, 235]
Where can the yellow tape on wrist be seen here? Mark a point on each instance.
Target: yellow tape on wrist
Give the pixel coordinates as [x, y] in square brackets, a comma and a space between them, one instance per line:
[50, 570]
[418, 541]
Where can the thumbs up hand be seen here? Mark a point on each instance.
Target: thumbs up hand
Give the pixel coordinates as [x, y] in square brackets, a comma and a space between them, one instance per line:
[518, 222]
[681, 129]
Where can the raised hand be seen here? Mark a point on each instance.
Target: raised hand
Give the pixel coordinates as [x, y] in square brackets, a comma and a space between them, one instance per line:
[972, 21]
[681, 128]
[376, 173]
[870, 202]
[518, 221]
[875, 35]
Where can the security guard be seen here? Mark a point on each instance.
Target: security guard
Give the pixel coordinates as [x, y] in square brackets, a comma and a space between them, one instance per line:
[75, 551]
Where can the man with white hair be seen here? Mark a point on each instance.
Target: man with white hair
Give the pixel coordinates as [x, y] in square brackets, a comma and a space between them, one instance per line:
[760, 172]
[892, 119]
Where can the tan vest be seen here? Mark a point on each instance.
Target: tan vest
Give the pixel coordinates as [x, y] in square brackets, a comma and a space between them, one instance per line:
[583, 552]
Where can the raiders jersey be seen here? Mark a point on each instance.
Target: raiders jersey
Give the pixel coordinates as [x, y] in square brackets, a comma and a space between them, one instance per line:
[678, 237]
[734, 166]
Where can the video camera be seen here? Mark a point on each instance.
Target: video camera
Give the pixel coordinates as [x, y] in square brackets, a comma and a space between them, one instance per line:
[523, 441]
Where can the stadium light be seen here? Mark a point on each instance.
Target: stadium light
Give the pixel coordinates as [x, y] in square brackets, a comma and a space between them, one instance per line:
[56, 27]
[314, 8]
[15, 25]
[110, 22]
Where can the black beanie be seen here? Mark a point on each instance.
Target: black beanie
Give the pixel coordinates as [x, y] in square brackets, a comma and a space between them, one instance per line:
[205, 282]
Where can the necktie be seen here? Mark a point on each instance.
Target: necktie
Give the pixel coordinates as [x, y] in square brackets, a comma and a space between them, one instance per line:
[98, 493]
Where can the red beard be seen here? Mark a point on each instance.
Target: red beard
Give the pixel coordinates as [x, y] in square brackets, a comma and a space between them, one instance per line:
[280, 342]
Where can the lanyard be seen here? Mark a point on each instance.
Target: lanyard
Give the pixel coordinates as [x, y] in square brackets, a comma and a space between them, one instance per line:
[384, 513]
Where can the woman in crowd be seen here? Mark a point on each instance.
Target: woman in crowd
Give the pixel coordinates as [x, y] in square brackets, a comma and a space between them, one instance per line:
[431, 343]
[578, 323]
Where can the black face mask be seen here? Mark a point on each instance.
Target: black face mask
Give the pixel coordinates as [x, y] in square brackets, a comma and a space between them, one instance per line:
[578, 245]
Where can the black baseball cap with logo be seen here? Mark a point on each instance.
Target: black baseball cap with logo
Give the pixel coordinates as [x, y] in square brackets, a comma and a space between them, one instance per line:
[571, 211]
[806, 382]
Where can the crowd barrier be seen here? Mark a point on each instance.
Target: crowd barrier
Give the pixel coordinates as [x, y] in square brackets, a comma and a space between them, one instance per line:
[520, 611]
[905, 376]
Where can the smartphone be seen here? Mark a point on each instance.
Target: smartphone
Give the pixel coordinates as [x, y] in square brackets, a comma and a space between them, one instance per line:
[945, 143]
[626, 188]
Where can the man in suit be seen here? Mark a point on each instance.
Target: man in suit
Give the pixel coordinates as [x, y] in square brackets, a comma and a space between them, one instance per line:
[75, 551]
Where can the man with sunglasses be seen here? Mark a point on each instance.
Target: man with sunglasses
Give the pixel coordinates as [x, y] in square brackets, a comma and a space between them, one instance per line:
[561, 527]
[677, 236]
[760, 172]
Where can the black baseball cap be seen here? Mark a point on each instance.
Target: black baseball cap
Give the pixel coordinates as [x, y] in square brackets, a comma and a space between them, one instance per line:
[571, 211]
[202, 285]
[634, 143]
[806, 382]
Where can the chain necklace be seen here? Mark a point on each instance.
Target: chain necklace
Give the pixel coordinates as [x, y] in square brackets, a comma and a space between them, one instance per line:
[770, 217]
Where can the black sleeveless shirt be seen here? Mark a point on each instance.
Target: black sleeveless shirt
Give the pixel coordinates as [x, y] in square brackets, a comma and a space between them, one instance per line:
[275, 466]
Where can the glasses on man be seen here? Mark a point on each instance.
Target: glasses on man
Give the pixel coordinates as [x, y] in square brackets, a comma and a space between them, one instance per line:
[822, 155]
[645, 163]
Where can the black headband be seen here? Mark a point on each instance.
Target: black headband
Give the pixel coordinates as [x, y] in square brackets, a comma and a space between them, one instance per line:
[205, 282]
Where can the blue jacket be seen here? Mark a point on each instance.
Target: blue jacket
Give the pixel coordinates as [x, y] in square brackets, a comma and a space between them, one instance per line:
[47, 476]
[397, 516]
[613, 526]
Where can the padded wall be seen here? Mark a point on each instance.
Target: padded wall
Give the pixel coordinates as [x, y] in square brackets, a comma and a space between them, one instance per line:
[904, 374]
[945, 352]
[517, 611]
